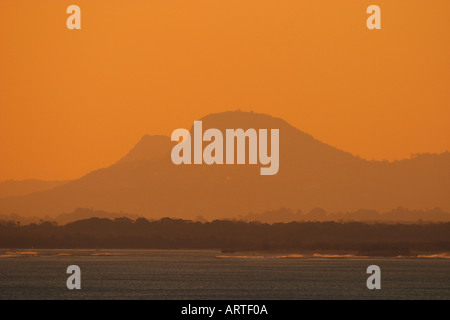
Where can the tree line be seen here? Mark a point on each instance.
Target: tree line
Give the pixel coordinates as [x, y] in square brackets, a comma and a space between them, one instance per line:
[167, 233]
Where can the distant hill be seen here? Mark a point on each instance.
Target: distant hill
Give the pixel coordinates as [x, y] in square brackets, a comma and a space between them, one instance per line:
[85, 213]
[403, 215]
[312, 174]
[64, 218]
[10, 188]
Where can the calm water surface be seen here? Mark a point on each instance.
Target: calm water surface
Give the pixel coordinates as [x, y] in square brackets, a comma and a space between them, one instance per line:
[172, 274]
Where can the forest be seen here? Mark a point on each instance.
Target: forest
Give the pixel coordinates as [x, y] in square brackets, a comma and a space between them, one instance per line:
[230, 235]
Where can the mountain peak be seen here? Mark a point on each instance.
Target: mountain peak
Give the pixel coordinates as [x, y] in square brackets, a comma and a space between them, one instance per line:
[244, 120]
[312, 174]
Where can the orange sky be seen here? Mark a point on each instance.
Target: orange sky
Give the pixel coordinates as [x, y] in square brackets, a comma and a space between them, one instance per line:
[72, 101]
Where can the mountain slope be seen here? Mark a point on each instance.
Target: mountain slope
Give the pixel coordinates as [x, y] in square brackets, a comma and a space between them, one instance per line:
[10, 188]
[148, 148]
[312, 174]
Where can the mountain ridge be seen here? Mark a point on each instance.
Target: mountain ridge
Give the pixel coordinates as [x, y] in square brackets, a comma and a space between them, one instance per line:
[312, 174]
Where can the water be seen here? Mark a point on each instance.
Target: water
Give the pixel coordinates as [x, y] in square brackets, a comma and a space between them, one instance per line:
[173, 274]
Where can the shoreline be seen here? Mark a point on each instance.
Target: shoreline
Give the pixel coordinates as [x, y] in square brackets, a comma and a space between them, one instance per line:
[230, 254]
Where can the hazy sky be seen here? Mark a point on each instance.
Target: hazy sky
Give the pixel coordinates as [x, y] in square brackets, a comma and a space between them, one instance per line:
[72, 101]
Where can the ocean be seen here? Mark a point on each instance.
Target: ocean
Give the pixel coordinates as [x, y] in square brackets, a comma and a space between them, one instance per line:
[208, 274]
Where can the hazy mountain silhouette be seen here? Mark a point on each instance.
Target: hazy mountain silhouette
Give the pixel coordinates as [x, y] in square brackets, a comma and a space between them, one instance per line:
[85, 213]
[148, 148]
[10, 188]
[312, 174]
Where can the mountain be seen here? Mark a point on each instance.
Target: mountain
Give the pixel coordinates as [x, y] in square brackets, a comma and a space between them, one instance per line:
[148, 148]
[311, 174]
[85, 213]
[10, 188]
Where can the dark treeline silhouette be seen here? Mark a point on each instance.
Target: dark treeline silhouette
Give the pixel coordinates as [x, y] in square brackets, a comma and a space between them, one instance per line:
[399, 214]
[362, 238]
